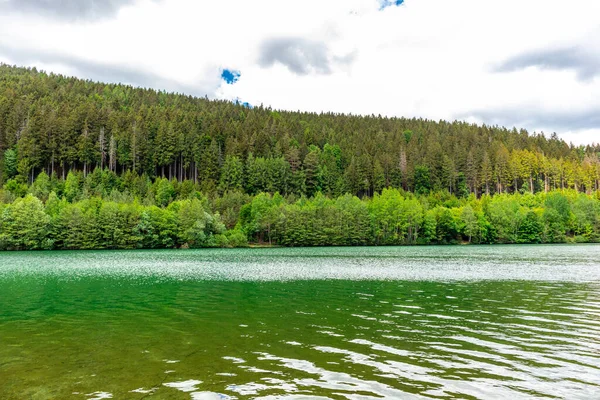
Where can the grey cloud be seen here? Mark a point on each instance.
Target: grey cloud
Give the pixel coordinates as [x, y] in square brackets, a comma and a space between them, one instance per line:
[299, 55]
[66, 9]
[539, 119]
[110, 73]
[585, 62]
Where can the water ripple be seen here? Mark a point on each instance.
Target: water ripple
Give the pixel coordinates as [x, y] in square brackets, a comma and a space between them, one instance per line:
[174, 330]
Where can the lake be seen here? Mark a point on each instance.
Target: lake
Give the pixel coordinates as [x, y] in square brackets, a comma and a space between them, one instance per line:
[477, 322]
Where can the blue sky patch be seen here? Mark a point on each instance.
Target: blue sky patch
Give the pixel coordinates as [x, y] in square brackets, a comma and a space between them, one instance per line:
[230, 76]
[389, 3]
[239, 102]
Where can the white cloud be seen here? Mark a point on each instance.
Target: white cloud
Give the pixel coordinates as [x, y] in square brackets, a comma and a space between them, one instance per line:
[581, 137]
[426, 58]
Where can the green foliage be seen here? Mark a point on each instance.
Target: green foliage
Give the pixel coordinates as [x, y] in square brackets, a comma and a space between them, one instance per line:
[470, 225]
[121, 167]
[259, 217]
[506, 215]
[229, 206]
[76, 226]
[116, 135]
[429, 228]
[531, 229]
[41, 187]
[164, 192]
[10, 163]
[311, 171]
[16, 188]
[157, 228]
[461, 186]
[116, 223]
[557, 214]
[236, 238]
[397, 220]
[392, 217]
[24, 225]
[232, 176]
[72, 189]
[196, 226]
[586, 219]
[447, 225]
[422, 179]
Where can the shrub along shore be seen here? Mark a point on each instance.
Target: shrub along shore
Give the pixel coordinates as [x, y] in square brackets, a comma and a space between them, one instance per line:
[105, 211]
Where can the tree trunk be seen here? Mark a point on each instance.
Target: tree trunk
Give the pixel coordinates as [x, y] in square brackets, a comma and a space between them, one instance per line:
[531, 183]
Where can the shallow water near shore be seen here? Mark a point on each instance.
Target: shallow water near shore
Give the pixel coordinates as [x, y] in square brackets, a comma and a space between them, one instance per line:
[340, 323]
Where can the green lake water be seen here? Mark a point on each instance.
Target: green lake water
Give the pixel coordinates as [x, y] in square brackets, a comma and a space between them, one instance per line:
[487, 322]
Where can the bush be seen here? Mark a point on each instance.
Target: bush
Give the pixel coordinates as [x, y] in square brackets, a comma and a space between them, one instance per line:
[220, 241]
[237, 238]
[15, 188]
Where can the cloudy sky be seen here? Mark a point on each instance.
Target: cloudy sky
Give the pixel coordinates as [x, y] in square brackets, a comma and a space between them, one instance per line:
[525, 63]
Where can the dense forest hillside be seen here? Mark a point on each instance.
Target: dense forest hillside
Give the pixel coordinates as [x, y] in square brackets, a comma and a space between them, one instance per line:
[93, 165]
[57, 124]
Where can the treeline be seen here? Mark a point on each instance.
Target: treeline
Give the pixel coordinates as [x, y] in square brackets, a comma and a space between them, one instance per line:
[56, 124]
[105, 211]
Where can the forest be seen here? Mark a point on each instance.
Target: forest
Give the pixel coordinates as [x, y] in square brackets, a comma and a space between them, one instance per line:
[88, 165]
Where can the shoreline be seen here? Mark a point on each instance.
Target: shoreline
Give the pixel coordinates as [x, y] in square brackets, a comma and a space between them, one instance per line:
[275, 246]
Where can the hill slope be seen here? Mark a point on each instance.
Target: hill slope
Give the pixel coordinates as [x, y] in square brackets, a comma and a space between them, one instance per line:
[57, 124]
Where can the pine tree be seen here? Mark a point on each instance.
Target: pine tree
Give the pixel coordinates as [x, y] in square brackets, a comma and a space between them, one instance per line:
[232, 175]
[311, 172]
[422, 179]
[379, 182]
